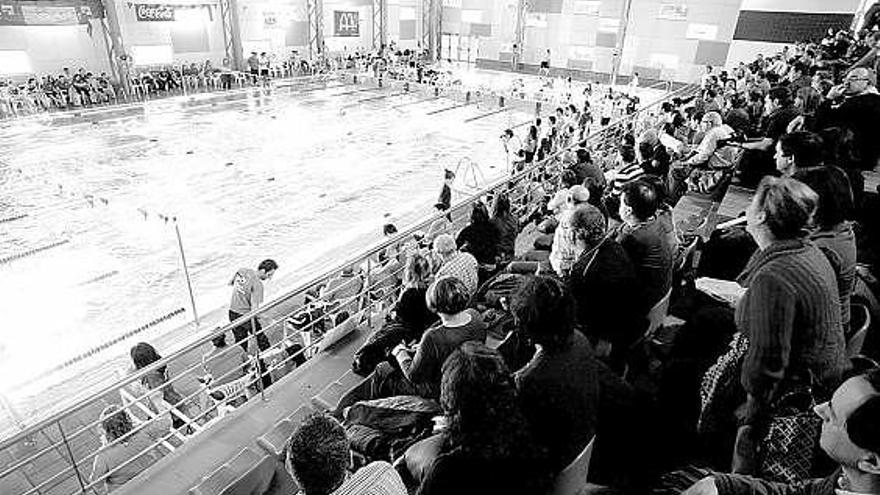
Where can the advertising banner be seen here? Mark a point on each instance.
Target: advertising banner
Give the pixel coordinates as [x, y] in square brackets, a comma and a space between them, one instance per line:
[153, 12]
[49, 13]
[346, 24]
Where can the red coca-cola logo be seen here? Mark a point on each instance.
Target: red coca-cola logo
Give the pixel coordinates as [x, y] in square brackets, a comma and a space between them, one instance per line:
[155, 12]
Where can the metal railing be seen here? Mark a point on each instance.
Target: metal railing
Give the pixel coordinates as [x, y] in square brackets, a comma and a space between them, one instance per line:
[57, 454]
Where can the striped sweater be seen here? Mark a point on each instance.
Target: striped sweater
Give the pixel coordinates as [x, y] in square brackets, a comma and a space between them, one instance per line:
[791, 316]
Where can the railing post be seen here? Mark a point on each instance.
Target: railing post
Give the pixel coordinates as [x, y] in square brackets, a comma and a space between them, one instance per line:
[252, 338]
[368, 296]
[189, 288]
[79, 477]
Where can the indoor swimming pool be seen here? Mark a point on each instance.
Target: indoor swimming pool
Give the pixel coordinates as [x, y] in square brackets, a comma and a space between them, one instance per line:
[304, 173]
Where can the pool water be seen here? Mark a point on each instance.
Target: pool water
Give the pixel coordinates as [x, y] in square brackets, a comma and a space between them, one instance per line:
[291, 173]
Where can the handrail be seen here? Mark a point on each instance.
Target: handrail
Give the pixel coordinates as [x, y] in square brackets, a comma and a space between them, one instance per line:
[367, 285]
[325, 275]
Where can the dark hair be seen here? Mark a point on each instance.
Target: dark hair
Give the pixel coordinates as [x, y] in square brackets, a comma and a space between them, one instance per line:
[143, 355]
[805, 147]
[115, 422]
[568, 178]
[839, 146]
[485, 419]
[479, 213]
[641, 197]
[219, 340]
[780, 94]
[544, 310]
[627, 153]
[835, 194]
[389, 229]
[862, 426]
[447, 295]
[317, 454]
[267, 265]
[501, 206]
[583, 155]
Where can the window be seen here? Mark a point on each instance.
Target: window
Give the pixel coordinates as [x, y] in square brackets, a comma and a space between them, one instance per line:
[14, 62]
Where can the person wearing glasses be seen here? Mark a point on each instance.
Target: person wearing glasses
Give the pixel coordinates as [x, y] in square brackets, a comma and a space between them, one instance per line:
[855, 105]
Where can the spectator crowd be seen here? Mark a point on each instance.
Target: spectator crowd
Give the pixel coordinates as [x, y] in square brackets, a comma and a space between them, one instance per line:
[575, 322]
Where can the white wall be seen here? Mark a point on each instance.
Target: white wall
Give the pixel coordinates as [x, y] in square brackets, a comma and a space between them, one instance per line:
[50, 48]
[815, 6]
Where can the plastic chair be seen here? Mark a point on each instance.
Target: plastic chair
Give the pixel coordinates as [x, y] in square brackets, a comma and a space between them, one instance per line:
[248, 473]
[859, 313]
[573, 479]
[273, 441]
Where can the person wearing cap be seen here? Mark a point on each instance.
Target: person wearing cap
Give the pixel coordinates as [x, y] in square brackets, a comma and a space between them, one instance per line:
[562, 254]
[454, 263]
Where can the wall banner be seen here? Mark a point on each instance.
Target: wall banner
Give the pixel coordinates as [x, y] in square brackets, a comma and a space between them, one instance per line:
[346, 24]
[152, 12]
[49, 13]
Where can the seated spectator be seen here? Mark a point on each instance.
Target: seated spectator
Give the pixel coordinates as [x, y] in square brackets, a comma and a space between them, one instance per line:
[125, 452]
[850, 437]
[807, 101]
[407, 320]
[454, 263]
[317, 457]
[342, 293]
[708, 154]
[646, 242]
[626, 171]
[480, 238]
[507, 226]
[223, 363]
[832, 231]
[442, 225]
[487, 446]
[154, 391]
[737, 117]
[758, 161]
[602, 281]
[419, 364]
[562, 253]
[798, 150]
[568, 396]
[654, 157]
[789, 312]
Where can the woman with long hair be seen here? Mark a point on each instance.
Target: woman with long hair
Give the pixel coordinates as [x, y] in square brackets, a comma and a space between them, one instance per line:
[506, 224]
[487, 445]
[480, 238]
[153, 388]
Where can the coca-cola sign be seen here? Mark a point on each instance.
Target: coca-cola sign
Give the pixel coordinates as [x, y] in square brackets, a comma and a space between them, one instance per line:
[147, 12]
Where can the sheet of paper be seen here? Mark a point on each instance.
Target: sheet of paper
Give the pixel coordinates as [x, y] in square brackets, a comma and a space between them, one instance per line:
[726, 291]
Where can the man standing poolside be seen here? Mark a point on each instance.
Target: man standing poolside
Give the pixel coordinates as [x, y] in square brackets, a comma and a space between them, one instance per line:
[247, 295]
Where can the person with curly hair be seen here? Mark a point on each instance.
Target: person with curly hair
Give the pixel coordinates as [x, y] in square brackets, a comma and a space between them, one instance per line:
[317, 457]
[487, 446]
[125, 452]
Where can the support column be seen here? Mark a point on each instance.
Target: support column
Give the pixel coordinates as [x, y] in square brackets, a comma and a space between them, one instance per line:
[380, 23]
[316, 28]
[232, 33]
[621, 41]
[519, 37]
[432, 10]
[115, 46]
